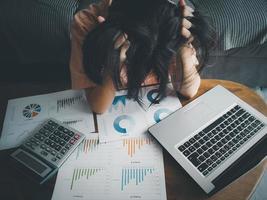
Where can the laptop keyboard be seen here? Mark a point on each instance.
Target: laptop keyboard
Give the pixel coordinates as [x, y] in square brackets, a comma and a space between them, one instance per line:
[213, 145]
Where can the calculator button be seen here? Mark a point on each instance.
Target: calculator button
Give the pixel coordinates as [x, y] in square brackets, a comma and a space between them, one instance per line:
[61, 128]
[68, 146]
[44, 133]
[66, 138]
[57, 133]
[57, 140]
[50, 122]
[47, 127]
[42, 146]
[47, 141]
[59, 156]
[53, 153]
[62, 142]
[61, 135]
[77, 136]
[44, 153]
[32, 140]
[42, 138]
[72, 141]
[65, 130]
[37, 135]
[47, 149]
[63, 151]
[58, 147]
[52, 137]
[29, 144]
[34, 144]
[54, 159]
[70, 133]
[52, 144]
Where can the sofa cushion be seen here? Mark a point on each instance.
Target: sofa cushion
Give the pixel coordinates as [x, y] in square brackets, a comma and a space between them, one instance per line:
[238, 23]
[37, 30]
[241, 51]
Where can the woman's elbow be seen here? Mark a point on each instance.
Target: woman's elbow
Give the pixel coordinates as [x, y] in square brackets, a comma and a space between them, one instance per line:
[98, 109]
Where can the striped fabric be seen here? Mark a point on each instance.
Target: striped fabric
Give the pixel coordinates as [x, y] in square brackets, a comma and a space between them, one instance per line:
[238, 23]
[38, 30]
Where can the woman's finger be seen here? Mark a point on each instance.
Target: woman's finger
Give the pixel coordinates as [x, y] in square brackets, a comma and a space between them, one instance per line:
[125, 46]
[185, 33]
[186, 23]
[120, 40]
[100, 19]
[187, 12]
[182, 3]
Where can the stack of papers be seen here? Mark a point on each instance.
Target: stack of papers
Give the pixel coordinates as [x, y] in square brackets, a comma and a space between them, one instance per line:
[121, 161]
[24, 114]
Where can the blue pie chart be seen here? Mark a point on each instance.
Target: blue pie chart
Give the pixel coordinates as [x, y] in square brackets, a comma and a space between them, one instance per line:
[152, 94]
[160, 114]
[123, 124]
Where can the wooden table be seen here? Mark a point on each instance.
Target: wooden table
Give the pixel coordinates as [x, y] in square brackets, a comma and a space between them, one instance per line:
[179, 185]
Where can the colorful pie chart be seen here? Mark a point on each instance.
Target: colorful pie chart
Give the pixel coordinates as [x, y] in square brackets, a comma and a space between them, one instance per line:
[31, 111]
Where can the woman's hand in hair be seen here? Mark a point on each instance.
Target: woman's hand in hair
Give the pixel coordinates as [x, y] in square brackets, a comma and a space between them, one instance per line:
[100, 97]
[184, 75]
[187, 12]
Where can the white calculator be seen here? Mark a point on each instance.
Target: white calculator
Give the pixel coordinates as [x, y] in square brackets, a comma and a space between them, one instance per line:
[46, 149]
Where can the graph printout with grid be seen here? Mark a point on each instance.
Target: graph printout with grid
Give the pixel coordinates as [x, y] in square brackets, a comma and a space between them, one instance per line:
[24, 114]
[120, 170]
[126, 118]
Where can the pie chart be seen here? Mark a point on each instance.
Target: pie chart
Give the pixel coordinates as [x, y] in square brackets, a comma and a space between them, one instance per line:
[160, 114]
[31, 111]
[123, 124]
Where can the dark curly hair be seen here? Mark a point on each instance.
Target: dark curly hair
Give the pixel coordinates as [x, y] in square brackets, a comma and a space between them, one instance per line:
[153, 30]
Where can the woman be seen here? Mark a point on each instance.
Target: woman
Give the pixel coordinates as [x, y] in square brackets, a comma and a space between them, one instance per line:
[130, 43]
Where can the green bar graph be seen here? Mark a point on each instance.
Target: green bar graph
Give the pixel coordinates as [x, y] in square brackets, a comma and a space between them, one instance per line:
[83, 173]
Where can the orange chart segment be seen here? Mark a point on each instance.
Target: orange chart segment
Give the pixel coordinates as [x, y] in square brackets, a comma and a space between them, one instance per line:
[88, 145]
[134, 144]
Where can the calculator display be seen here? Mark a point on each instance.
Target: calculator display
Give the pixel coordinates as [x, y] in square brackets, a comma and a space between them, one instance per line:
[36, 166]
[31, 162]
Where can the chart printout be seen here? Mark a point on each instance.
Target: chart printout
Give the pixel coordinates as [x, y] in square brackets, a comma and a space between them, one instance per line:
[24, 114]
[131, 168]
[126, 118]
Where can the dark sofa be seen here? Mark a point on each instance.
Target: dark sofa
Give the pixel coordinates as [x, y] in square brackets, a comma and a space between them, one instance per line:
[35, 40]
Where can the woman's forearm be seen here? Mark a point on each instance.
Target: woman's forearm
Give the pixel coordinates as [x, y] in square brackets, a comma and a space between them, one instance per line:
[101, 96]
[189, 86]
[184, 75]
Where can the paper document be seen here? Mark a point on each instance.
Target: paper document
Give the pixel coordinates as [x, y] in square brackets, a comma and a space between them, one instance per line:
[127, 169]
[126, 118]
[24, 114]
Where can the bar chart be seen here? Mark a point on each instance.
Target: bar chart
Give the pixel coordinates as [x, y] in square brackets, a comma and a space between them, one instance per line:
[66, 103]
[134, 144]
[135, 175]
[87, 146]
[83, 173]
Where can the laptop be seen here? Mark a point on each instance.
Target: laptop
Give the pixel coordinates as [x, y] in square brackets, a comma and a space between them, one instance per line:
[210, 134]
